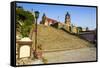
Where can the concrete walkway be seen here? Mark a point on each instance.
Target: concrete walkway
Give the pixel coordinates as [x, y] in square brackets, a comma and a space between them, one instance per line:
[83, 54]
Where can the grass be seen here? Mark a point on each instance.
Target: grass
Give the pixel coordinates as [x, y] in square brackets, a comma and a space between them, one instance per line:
[55, 39]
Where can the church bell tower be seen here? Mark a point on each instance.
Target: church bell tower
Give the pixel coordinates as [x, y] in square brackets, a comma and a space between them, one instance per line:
[68, 21]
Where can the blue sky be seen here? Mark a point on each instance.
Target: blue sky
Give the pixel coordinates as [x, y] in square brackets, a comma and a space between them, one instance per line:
[80, 16]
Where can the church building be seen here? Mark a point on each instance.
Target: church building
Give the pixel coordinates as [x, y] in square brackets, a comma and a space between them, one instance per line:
[48, 21]
[67, 25]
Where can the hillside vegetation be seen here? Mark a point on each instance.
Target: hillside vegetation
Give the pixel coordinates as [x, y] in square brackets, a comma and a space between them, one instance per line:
[24, 21]
[53, 39]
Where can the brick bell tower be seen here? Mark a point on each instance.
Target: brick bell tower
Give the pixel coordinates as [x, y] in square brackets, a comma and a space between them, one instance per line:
[67, 21]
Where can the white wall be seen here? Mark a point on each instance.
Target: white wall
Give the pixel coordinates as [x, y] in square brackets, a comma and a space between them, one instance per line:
[5, 33]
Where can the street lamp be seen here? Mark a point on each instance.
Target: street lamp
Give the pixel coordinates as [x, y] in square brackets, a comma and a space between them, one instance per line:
[36, 17]
[36, 14]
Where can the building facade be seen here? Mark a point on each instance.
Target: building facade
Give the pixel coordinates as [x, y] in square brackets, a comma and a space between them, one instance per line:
[48, 21]
[67, 25]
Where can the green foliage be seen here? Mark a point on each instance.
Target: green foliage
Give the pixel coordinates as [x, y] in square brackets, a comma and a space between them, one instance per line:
[24, 21]
[87, 28]
[79, 29]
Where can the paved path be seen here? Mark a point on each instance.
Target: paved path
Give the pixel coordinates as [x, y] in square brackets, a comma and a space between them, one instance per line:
[83, 54]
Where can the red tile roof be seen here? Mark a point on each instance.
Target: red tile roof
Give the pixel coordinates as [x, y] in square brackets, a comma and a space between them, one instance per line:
[51, 20]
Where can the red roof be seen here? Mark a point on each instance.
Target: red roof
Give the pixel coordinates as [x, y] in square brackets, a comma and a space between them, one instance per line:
[51, 20]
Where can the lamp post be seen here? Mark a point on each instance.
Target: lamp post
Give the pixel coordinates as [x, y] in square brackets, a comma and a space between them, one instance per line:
[36, 17]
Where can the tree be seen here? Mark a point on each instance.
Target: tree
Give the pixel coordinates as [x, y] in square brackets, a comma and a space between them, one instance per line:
[43, 18]
[24, 21]
[79, 29]
[87, 28]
